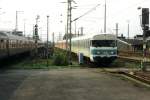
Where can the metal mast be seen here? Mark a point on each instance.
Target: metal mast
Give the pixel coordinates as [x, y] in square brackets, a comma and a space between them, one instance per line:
[67, 53]
[47, 38]
[128, 29]
[70, 28]
[24, 27]
[16, 28]
[116, 33]
[105, 18]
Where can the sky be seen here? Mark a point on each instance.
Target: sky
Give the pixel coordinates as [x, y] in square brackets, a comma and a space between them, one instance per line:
[118, 11]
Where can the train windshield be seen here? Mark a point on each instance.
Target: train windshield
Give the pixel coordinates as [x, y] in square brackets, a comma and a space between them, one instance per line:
[103, 43]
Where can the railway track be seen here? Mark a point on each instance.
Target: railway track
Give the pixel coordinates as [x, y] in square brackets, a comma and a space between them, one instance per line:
[142, 77]
[137, 76]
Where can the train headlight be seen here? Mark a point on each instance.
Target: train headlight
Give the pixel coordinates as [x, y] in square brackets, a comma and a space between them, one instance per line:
[98, 52]
[112, 52]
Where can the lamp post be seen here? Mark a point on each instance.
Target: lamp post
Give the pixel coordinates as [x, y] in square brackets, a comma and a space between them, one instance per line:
[47, 36]
[105, 15]
[128, 22]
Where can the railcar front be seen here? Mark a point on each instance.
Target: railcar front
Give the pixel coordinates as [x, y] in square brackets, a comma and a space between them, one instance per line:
[103, 50]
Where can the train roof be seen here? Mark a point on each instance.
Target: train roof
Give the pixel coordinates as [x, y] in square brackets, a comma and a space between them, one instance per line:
[101, 36]
[9, 35]
[96, 37]
[3, 35]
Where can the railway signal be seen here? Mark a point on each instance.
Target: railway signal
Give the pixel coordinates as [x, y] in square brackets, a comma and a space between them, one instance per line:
[145, 27]
[36, 37]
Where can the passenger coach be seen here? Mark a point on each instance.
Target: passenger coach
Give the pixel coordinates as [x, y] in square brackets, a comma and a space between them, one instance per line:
[99, 48]
[12, 44]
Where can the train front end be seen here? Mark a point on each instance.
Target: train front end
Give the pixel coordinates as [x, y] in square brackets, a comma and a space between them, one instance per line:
[103, 50]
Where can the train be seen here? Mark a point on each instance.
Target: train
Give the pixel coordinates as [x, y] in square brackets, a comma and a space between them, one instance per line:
[13, 43]
[99, 48]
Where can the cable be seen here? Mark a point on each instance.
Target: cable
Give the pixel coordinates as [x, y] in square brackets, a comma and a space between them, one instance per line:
[122, 11]
[87, 12]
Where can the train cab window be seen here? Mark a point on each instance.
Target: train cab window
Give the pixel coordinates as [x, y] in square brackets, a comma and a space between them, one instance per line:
[103, 43]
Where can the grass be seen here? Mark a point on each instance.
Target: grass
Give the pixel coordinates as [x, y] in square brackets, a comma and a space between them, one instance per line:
[41, 64]
[28, 63]
[58, 61]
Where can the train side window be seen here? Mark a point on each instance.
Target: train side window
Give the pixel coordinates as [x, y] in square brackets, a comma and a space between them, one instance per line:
[1, 44]
[90, 43]
[2, 41]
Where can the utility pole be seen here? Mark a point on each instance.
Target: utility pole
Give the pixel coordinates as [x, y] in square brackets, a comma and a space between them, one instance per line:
[105, 18]
[75, 28]
[128, 29]
[81, 31]
[47, 38]
[24, 27]
[128, 32]
[33, 31]
[67, 49]
[16, 28]
[117, 29]
[53, 41]
[16, 21]
[66, 37]
[69, 28]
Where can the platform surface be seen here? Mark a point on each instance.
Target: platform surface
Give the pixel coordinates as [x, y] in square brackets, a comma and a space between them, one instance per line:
[68, 84]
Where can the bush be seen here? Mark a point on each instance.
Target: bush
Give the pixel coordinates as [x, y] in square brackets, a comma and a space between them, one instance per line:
[60, 60]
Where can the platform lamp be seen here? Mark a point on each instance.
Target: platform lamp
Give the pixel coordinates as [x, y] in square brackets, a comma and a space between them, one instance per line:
[47, 39]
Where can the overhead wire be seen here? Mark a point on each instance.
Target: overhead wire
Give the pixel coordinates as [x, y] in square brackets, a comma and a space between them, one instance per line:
[120, 11]
[87, 12]
[116, 13]
[125, 9]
